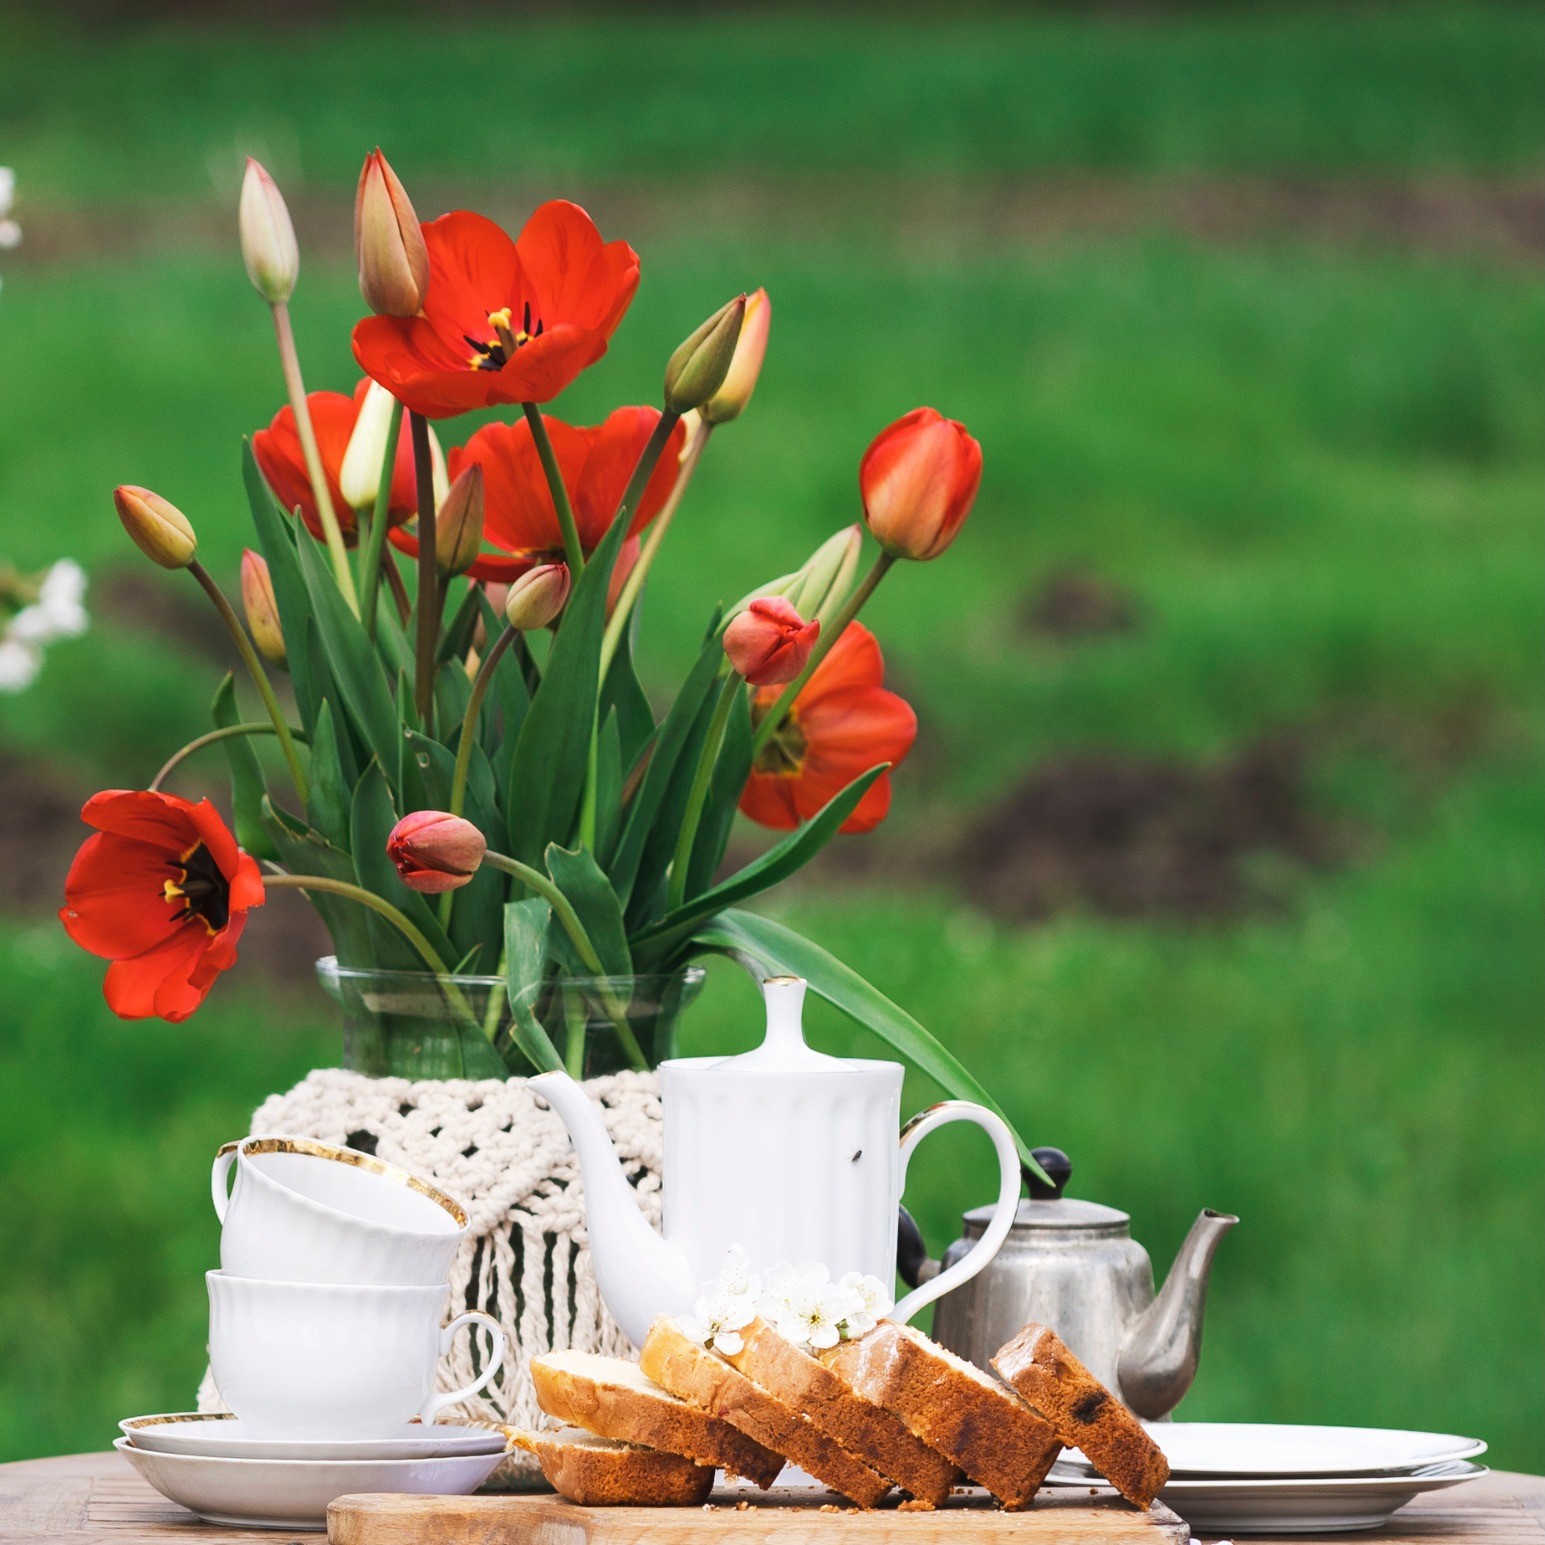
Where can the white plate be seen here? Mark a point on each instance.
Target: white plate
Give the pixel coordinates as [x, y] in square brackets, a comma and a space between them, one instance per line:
[218, 1435]
[1293, 1505]
[293, 1494]
[1251, 1450]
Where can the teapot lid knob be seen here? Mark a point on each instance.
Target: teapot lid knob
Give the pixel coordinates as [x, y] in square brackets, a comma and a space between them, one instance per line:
[1059, 1170]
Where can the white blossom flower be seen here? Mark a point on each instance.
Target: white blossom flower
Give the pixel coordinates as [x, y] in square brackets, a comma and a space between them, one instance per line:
[717, 1321]
[19, 664]
[867, 1302]
[737, 1279]
[57, 612]
[804, 1305]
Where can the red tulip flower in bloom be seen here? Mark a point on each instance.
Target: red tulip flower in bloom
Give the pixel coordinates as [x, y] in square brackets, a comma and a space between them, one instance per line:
[918, 480]
[595, 463]
[503, 321]
[842, 723]
[162, 891]
[333, 415]
[770, 642]
[435, 851]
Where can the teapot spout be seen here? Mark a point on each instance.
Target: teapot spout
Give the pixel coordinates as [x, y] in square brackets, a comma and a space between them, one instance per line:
[639, 1274]
[1161, 1350]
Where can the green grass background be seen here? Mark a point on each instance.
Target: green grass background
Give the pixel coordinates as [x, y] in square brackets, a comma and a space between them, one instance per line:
[1316, 464]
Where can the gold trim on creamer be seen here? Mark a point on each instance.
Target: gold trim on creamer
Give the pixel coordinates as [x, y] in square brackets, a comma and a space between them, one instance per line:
[365, 1161]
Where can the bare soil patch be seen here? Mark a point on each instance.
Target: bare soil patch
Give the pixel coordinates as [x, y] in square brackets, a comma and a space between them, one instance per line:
[1075, 604]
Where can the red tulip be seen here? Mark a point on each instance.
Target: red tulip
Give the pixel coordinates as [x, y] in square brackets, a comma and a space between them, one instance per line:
[842, 723]
[595, 463]
[503, 321]
[770, 642]
[435, 851]
[261, 607]
[162, 891]
[918, 480]
[333, 416]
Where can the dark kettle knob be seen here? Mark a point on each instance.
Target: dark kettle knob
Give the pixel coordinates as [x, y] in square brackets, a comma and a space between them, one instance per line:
[1059, 1170]
[912, 1259]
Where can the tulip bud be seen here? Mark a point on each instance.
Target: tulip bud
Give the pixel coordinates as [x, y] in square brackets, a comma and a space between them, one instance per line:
[698, 367]
[537, 597]
[267, 237]
[159, 529]
[823, 584]
[918, 480]
[360, 474]
[388, 242]
[459, 523]
[770, 642]
[257, 600]
[435, 851]
[750, 349]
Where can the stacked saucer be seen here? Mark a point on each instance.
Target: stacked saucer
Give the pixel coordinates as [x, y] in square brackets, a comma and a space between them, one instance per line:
[325, 1339]
[1261, 1478]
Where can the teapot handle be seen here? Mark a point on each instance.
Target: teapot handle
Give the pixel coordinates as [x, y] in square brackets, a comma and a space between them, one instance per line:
[1002, 1219]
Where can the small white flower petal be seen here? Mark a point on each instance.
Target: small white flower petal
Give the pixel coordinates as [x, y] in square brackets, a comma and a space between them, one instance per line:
[729, 1341]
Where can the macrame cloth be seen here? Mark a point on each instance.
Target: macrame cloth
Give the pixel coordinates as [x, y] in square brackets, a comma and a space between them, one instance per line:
[506, 1156]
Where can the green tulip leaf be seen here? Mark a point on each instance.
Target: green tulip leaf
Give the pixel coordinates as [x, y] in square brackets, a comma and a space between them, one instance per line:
[526, 927]
[590, 893]
[276, 538]
[248, 786]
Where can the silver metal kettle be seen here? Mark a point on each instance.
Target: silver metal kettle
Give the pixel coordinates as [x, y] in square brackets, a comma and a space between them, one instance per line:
[1074, 1266]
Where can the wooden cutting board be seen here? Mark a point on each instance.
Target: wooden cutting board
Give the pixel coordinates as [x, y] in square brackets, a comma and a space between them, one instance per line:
[549, 1520]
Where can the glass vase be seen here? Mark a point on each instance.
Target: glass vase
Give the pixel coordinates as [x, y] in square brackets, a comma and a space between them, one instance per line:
[410, 1024]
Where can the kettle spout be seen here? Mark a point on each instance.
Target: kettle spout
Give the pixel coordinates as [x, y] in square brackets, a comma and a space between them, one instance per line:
[639, 1274]
[1159, 1356]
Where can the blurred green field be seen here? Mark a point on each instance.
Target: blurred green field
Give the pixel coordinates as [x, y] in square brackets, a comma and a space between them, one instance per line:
[1314, 464]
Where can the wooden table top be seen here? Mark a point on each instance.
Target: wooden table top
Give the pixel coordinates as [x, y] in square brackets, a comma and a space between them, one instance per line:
[96, 1499]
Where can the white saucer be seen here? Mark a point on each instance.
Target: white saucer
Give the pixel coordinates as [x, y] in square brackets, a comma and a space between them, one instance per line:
[1254, 1450]
[219, 1435]
[293, 1494]
[1292, 1504]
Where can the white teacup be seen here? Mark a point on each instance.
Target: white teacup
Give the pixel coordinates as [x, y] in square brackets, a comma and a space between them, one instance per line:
[303, 1211]
[333, 1360]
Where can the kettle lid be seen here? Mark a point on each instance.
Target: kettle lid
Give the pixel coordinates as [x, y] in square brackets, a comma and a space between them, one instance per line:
[1048, 1208]
[784, 1049]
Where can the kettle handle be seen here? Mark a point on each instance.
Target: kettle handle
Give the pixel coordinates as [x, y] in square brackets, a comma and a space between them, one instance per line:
[1002, 1219]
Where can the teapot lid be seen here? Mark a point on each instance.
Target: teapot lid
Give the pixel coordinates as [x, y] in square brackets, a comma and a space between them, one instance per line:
[1048, 1208]
[783, 1049]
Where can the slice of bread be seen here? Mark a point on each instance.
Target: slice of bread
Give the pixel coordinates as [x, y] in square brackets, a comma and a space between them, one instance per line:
[613, 1398]
[601, 1472]
[874, 1435]
[694, 1373]
[1086, 1415]
[971, 1418]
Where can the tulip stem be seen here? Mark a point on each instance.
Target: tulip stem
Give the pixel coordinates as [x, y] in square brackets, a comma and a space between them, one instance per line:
[633, 586]
[213, 737]
[698, 793]
[370, 567]
[404, 925]
[289, 362]
[563, 910]
[255, 669]
[428, 575]
[573, 553]
[828, 637]
[480, 685]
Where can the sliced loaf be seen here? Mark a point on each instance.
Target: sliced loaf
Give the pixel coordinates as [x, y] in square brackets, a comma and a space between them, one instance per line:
[1086, 1415]
[973, 1419]
[615, 1399]
[601, 1472]
[691, 1371]
[874, 1435]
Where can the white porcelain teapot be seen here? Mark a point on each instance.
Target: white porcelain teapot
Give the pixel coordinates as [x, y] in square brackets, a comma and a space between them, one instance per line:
[785, 1151]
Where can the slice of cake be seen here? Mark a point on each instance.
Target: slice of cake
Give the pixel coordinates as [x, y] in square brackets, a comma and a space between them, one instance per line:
[602, 1472]
[867, 1431]
[1086, 1415]
[688, 1369]
[615, 1399]
[973, 1419]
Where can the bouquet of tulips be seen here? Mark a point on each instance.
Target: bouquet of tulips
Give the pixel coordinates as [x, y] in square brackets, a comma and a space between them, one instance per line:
[477, 782]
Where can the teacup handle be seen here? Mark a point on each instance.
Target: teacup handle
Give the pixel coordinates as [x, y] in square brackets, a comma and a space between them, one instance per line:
[997, 1229]
[495, 1362]
[219, 1176]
